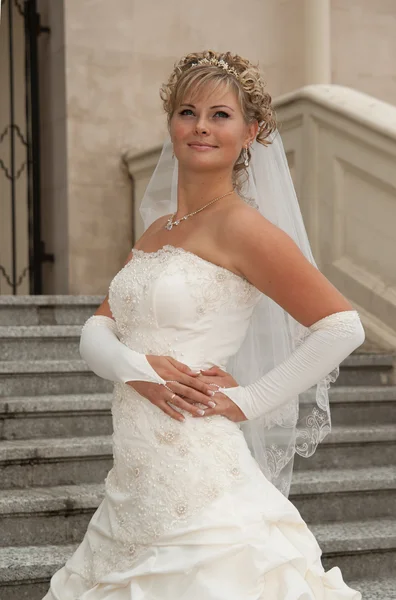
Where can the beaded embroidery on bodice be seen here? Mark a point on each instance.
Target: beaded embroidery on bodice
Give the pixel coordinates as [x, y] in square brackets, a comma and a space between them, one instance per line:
[171, 302]
[174, 302]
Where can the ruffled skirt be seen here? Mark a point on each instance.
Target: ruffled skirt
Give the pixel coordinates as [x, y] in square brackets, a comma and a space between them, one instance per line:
[249, 544]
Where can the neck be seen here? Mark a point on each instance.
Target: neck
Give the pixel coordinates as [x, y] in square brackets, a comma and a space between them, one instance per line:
[194, 191]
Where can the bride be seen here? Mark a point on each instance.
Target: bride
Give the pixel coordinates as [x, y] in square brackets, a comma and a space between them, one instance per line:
[212, 330]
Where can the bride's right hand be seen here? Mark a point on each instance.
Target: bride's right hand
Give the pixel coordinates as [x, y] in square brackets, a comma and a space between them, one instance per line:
[183, 384]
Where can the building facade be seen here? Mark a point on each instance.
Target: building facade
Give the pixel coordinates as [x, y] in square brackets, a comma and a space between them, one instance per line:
[67, 214]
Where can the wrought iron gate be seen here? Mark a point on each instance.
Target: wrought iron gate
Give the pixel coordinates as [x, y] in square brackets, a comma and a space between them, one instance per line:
[21, 248]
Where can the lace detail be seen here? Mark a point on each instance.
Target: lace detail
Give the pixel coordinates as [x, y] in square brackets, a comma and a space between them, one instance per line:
[210, 287]
[315, 425]
[315, 422]
[285, 415]
[343, 323]
[164, 473]
[99, 320]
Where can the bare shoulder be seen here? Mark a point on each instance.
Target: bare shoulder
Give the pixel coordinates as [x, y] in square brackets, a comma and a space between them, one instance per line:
[271, 260]
[257, 245]
[245, 228]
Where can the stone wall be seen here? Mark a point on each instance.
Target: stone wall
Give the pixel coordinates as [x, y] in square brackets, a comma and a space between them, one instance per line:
[117, 54]
[363, 44]
[105, 63]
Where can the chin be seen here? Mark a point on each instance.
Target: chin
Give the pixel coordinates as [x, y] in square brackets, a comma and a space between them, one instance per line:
[204, 161]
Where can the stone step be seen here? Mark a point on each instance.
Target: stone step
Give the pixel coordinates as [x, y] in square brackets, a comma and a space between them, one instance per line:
[30, 417]
[361, 405]
[25, 417]
[42, 342]
[358, 549]
[63, 461]
[54, 461]
[38, 515]
[47, 377]
[351, 447]
[47, 310]
[33, 515]
[25, 572]
[333, 495]
[371, 369]
[373, 589]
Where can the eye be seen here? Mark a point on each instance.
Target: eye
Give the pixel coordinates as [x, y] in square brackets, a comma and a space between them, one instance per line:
[221, 112]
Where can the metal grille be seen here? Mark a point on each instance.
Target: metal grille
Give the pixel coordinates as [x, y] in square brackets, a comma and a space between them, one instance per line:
[20, 230]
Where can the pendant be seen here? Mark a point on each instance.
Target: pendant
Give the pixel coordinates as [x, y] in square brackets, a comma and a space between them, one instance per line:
[169, 224]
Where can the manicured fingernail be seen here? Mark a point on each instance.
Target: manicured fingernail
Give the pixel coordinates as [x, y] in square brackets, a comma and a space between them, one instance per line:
[212, 404]
[200, 412]
[195, 372]
[210, 393]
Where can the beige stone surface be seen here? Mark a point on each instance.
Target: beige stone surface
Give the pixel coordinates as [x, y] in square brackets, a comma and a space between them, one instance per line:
[117, 54]
[104, 64]
[98, 213]
[363, 35]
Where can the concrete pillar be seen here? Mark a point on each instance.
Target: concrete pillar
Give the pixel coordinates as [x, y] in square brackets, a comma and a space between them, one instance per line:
[317, 47]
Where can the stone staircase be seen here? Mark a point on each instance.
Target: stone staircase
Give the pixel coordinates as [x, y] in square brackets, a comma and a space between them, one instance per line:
[55, 451]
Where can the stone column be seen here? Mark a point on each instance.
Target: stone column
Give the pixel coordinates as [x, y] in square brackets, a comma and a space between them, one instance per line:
[317, 46]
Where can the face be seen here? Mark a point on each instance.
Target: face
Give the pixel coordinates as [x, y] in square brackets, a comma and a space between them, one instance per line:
[209, 132]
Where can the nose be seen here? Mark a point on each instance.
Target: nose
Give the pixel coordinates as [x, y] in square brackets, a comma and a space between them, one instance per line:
[201, 127]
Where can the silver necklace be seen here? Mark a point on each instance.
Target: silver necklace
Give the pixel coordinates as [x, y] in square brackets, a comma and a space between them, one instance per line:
[170, 221]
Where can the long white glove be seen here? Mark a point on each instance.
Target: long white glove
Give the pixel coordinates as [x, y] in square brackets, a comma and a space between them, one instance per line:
[332, 339]
[111, 359]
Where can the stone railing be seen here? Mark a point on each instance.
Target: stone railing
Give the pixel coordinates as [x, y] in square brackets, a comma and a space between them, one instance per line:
[341, 148]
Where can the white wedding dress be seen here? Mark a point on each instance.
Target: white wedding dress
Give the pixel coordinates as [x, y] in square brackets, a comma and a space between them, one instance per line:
[187, 513]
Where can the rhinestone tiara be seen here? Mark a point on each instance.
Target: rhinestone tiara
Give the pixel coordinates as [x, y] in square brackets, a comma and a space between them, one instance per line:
[216, 63]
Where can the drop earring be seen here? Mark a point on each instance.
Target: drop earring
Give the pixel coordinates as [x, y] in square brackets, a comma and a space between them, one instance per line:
[246, 157]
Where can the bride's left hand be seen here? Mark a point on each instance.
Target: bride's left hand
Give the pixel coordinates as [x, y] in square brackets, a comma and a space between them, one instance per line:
[224, 405]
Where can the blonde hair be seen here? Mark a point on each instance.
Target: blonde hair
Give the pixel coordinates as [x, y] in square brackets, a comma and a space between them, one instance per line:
[249, 87]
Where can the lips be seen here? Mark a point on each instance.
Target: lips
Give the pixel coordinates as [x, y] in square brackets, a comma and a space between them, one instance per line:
[197, 144]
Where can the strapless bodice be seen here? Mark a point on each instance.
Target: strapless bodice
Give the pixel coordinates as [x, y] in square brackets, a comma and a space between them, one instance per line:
[173, 302]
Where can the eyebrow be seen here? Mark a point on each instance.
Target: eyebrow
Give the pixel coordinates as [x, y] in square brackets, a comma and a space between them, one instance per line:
[216, 106]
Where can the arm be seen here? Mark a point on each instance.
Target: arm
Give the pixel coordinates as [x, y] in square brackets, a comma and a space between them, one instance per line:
[271, 260]
[109, 358]
[332, 339]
